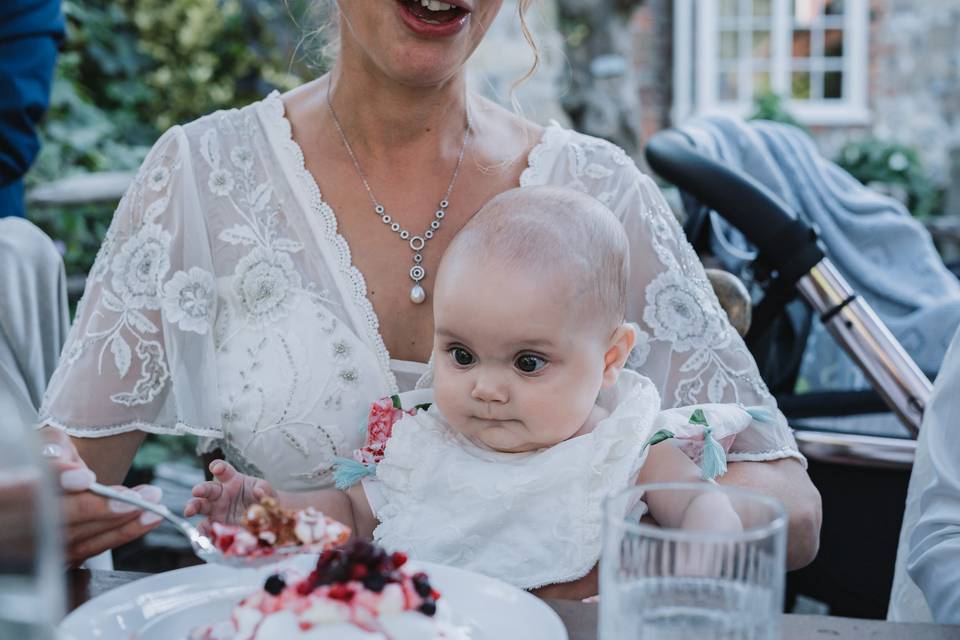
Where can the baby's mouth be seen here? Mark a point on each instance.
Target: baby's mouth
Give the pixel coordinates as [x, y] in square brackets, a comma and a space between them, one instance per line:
[433, 11]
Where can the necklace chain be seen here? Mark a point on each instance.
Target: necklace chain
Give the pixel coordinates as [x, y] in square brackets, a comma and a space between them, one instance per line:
[416, 242]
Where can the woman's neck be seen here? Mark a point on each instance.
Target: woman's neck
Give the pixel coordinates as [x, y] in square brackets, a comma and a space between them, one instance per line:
[380, 114]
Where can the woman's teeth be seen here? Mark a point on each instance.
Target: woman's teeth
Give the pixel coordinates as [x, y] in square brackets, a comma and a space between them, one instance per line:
[434, 5]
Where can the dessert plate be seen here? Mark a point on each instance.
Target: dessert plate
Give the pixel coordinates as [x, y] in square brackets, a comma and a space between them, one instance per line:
[167, 606]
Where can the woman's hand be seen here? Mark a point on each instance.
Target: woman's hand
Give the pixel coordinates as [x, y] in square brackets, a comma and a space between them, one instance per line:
[92, 524]
[227, 496]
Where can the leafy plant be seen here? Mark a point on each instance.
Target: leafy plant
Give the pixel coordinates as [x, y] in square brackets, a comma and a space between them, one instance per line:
[894, 168]
[133, 68]
[770, 106]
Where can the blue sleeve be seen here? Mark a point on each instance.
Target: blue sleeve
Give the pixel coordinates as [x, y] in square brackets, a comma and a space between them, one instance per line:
[26, 72]
[934, 558]
[30, 33]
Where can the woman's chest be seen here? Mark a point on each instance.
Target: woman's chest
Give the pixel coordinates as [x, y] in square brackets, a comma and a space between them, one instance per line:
[401, 249]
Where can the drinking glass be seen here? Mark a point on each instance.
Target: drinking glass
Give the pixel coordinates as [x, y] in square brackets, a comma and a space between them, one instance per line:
[31, 560]
[706, 581]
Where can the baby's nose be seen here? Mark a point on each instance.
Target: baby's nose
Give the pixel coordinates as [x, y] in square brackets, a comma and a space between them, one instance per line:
[489, 388]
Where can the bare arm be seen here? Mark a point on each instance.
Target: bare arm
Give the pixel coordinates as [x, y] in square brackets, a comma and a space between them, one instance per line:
[786, 481]
[666, 463]
[110, 457]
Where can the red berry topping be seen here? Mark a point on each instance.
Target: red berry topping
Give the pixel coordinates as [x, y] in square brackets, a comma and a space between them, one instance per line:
[359, 571]
[399, 559]
[341, 592]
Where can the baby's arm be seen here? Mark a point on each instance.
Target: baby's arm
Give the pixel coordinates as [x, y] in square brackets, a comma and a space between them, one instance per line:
[705, 510]
[227, 497]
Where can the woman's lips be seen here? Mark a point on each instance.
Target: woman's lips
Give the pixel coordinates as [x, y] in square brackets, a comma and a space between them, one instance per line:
[432, 29]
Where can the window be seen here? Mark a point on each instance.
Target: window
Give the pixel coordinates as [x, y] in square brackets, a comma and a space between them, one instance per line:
[812, 52]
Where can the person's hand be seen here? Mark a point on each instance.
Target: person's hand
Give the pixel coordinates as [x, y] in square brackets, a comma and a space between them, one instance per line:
[711, 511]
[227, 496]
[92, 524]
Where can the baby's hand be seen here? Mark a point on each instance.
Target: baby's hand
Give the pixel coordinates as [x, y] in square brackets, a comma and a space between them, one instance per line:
[226, 498]
[711, 511]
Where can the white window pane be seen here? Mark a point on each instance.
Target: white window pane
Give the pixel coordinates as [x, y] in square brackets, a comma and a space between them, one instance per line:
[833, 85]
[728, 44]
[762, 44]
[729, 8]
[727, 86]
[762, 82]
[762, 7]
[805, 11]
[800, 85]
[833, 7]
[801, 43]
[833, 43]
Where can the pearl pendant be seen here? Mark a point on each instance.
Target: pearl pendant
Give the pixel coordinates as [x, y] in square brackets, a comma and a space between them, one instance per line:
[417, 294]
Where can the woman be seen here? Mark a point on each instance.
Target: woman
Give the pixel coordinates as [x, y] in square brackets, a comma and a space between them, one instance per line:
[233, 301]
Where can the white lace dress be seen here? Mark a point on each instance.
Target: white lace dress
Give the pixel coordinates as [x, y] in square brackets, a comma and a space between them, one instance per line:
[224, 303]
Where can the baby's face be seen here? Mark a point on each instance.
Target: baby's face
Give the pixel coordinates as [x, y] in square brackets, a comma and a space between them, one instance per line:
[518, 363]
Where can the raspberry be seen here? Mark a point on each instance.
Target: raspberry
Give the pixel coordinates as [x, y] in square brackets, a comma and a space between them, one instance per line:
[359, 571]
[341, 592]
[399, 559]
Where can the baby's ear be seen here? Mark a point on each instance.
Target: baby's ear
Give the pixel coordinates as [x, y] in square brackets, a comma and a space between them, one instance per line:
[621, 344]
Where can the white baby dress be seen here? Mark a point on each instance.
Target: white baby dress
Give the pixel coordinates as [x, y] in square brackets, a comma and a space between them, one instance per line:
[530, 519]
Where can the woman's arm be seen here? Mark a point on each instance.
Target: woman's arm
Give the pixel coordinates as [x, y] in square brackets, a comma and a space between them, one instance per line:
[787, 481]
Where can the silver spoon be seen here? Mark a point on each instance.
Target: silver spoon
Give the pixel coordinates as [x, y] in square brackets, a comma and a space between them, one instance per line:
[202, 545]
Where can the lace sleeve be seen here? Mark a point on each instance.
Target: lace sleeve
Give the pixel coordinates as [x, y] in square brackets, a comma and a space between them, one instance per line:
[140, 354]
[686, 344]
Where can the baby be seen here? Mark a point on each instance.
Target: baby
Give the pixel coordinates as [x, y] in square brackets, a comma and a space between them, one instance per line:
[534, 419]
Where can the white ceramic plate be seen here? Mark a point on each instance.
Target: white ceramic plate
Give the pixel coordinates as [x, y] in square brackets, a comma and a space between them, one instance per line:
[167, 606]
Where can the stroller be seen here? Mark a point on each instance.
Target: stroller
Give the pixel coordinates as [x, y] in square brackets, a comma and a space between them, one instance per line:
[862, 478]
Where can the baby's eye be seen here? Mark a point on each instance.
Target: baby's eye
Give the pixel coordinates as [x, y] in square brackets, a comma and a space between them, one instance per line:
[529, 363]
[461, 356]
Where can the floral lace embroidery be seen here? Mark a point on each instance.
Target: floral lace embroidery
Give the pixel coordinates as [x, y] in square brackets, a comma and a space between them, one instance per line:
[274, 117]
[682, 308]
[136, 269]
[188, 299]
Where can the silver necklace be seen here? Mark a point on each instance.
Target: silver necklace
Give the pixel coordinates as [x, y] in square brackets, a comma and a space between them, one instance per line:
[416, 242]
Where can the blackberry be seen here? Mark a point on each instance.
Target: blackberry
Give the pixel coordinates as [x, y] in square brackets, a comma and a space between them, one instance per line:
[427, 607]
[422, 585]
[375, 582]
[274, 585]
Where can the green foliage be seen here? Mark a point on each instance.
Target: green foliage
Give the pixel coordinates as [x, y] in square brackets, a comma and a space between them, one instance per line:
[157, 448]
[895, 167]
[133, 68]
[769, 106]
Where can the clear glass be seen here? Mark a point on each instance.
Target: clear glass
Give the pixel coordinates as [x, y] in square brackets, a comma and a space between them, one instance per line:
[696, 582]
[31, 564]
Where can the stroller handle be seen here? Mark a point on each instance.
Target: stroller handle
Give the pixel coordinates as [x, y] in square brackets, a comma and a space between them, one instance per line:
[784, 242]
[868, 342]
[789, 245]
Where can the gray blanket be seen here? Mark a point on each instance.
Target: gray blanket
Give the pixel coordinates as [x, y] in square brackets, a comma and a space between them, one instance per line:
[887, 256]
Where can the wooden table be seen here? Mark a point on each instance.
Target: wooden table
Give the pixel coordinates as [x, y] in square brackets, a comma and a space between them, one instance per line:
[581, 618]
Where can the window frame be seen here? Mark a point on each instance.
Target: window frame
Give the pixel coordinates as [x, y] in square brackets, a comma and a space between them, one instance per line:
[695, 85]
